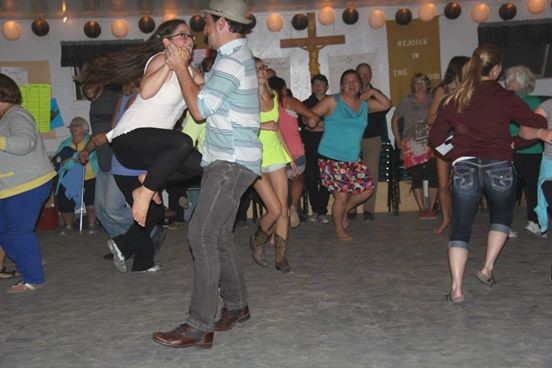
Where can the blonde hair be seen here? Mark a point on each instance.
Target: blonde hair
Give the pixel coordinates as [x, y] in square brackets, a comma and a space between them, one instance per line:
[484, 58]
[520, 79]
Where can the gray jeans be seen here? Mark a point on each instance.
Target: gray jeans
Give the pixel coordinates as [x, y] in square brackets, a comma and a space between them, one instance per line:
[210, 234]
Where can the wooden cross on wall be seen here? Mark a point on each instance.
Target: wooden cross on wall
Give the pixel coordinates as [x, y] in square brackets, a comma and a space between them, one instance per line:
[312, 44]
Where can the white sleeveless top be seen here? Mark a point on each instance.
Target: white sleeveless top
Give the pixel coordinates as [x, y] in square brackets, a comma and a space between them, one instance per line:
[160, 111]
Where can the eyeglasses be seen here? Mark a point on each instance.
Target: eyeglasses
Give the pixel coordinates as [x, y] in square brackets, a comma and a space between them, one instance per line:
[74, 126]
[261, 67]
[185, 36]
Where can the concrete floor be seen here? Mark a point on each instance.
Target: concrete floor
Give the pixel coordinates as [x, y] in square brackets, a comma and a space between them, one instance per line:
[376, 302]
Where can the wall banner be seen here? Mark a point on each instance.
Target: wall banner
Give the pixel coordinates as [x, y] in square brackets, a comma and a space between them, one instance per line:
[414, 48]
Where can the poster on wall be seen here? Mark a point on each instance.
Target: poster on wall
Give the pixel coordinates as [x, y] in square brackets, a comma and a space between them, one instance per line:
[281, 67]
[339, 63]
[36, 100]
[413, 48]
[19, 74]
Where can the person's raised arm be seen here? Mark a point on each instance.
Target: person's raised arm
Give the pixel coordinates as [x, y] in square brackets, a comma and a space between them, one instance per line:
[155, 75]
[377, 101]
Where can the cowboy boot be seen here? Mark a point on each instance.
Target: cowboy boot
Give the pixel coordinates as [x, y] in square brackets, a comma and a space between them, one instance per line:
[256, 243]
[281, 262]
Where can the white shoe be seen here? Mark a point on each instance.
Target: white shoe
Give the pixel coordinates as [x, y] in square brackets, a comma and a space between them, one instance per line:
[313, 218]
[532, 227]
[323, 219]
[513, 234]
[294, 220]
[153, 268]
[118, 258]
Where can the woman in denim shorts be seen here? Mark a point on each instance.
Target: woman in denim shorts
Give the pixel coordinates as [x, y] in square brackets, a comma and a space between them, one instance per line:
[479, 112]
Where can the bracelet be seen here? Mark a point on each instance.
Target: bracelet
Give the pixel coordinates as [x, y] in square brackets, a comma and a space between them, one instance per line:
[539, 131]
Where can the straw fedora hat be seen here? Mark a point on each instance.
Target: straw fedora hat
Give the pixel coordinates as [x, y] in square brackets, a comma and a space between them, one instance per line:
[235, 10]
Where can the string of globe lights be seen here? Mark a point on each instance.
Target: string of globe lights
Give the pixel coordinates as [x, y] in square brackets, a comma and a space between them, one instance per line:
[275, 22]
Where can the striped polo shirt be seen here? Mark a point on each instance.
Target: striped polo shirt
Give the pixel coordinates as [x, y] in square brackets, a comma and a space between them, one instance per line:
[230, 102]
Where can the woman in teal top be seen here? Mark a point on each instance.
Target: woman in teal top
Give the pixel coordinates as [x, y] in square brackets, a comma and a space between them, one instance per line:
[527, 160]
[341, 170]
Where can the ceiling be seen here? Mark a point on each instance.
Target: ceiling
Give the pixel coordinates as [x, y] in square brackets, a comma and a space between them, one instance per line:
[49, 9]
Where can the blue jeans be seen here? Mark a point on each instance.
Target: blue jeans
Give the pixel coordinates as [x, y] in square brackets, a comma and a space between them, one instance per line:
[111, 206]
[210, 234]
[18, 216]
[473, 178]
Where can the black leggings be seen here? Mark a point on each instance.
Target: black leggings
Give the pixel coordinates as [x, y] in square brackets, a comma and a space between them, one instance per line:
[167, 155]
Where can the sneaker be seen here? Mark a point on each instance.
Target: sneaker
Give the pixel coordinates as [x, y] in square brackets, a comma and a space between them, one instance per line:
[66, 230]
[533, 228]
[118, 258]
[153, 268]
[369, 216]
[323, 219]
[184, 202]
[313, 218]
[6, 274]
[352, 215]
[294, 220]
[23, 287]
[176, 225]
[92, 229]
[513, 234]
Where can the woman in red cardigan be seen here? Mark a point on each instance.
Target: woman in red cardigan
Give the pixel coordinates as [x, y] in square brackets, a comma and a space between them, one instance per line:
[479, 112]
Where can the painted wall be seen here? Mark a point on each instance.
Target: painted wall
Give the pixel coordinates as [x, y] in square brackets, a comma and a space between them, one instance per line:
[458, 37]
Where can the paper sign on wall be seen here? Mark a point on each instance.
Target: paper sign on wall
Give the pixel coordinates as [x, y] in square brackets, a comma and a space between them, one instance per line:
[36, 100]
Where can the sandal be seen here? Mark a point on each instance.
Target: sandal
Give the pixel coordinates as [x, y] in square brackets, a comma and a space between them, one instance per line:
[487, 280]
[454, 300]
[5, 274]
[23, 287]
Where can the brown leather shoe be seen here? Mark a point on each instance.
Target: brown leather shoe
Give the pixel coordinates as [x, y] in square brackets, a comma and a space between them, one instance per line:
[184, 336]
[229, 318]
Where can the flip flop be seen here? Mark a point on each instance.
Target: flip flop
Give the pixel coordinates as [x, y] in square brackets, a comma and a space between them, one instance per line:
[487, 280]
[454, 300]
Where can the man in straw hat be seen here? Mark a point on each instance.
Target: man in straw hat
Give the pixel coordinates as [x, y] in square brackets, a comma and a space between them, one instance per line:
[231, 159]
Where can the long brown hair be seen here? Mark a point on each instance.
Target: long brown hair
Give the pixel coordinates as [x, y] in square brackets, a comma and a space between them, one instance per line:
[126, 66]
[484, 58]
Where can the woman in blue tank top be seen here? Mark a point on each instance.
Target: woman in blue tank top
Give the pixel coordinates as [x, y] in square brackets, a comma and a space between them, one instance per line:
[341, 170]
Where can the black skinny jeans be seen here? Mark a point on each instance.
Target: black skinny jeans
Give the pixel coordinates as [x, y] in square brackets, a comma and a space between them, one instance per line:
[318, 194]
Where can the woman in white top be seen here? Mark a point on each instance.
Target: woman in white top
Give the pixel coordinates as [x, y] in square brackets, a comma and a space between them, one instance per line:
[144, 138]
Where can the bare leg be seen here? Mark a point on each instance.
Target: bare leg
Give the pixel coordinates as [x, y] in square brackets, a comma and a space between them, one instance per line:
[279, 182]
[68, 218]
[443, 173]
[419, 197]
[297, 186]
[339, 215]
[353, 201]
[457, 263]
[432, 200]
[91, 215]
[264, 188]
[142, 197]
[156, 197]
[495, 243]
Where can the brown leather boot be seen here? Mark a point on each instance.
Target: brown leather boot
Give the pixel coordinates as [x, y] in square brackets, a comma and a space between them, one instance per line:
[256, 243]
[281, 262]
